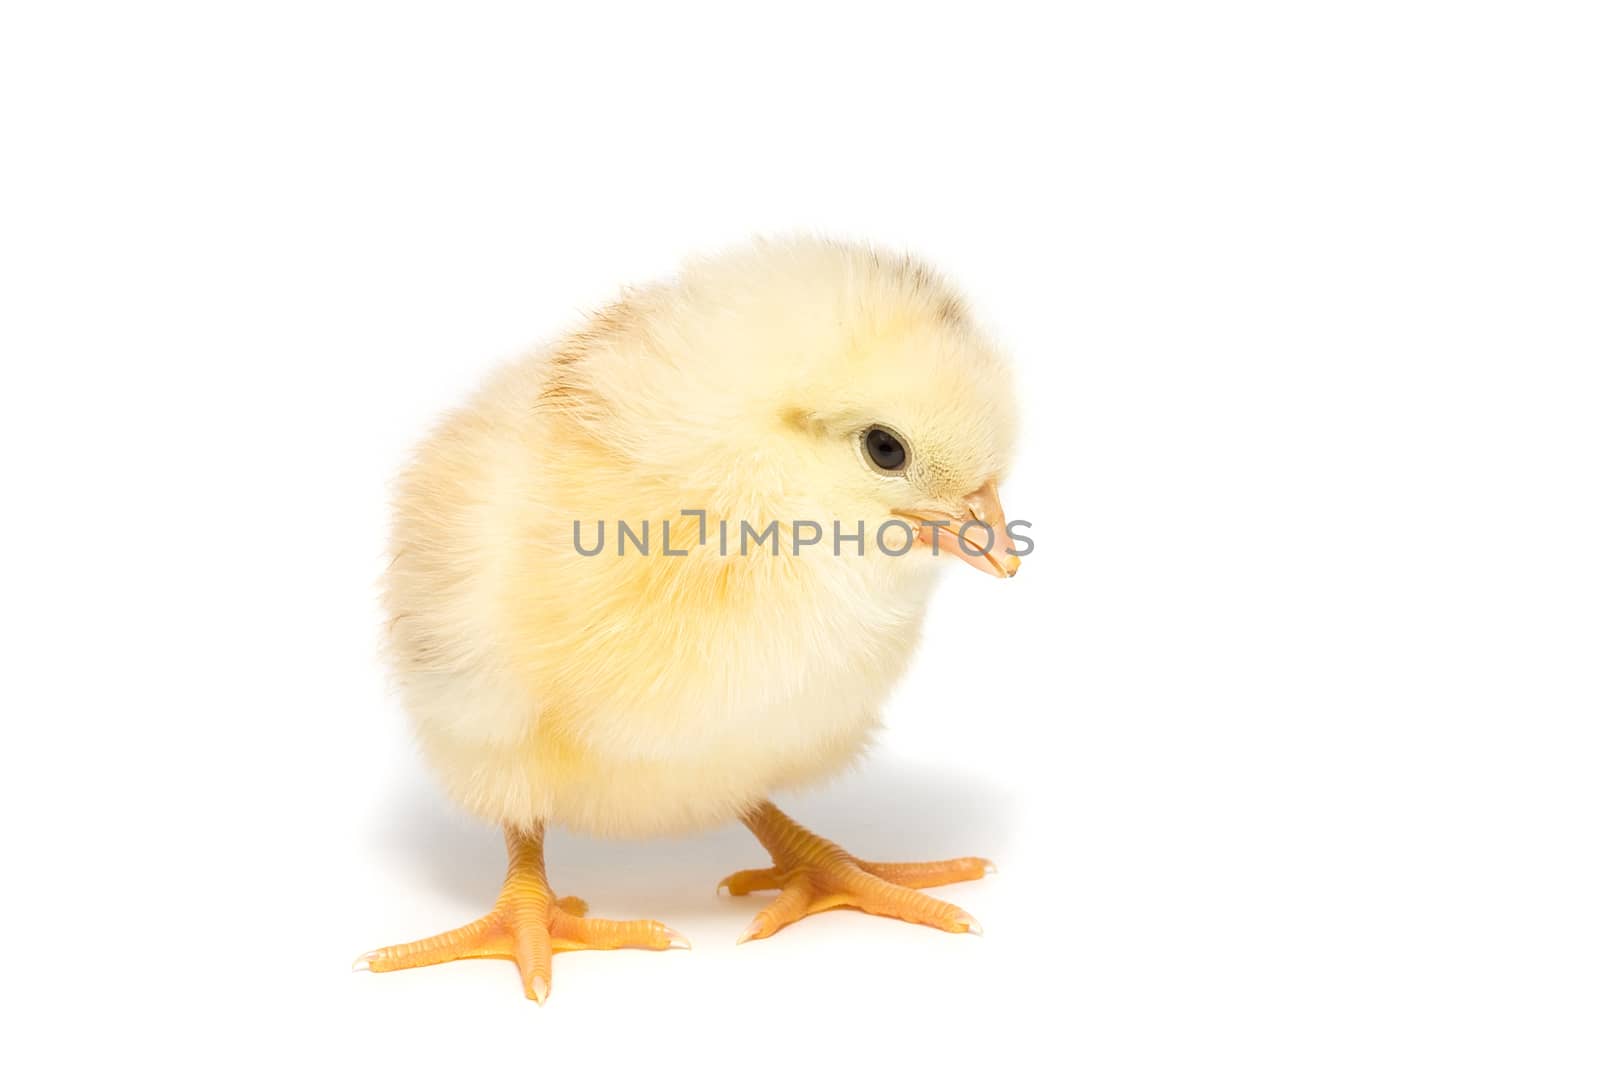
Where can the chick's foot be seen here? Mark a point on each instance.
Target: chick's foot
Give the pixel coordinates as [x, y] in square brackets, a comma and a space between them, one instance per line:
[812, 874]
[527, 925]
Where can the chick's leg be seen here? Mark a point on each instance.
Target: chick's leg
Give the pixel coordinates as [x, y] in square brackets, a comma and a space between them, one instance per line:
[812, 874]
[528, 925]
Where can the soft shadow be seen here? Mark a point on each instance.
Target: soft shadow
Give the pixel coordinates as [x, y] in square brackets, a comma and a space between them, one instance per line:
[886, 809]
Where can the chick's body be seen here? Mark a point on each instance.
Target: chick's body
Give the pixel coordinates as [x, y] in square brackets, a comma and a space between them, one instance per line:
[798, 398]
[621, 694]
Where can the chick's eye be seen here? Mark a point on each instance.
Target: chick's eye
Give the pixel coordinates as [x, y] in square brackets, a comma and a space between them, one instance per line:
[885, 450]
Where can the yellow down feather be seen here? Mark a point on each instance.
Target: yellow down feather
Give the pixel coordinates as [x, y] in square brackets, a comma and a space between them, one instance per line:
[638, 694]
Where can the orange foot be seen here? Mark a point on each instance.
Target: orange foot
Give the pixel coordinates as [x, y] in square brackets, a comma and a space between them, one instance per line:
[527, 925]
[813, 874]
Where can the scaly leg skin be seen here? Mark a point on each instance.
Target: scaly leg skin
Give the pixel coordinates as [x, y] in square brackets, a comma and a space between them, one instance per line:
[527, 925]
[813, 874]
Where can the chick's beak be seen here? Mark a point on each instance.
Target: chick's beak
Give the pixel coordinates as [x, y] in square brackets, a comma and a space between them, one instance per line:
[990, 550]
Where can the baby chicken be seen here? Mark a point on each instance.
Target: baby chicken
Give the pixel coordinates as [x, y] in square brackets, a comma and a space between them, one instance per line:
[777, 422]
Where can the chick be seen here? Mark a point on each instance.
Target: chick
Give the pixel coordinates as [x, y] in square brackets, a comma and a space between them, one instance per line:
[775, 394]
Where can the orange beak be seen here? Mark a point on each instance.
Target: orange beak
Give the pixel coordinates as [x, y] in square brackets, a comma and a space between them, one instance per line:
[978, 538]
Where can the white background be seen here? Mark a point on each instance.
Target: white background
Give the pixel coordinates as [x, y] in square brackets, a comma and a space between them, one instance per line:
[1284, 740]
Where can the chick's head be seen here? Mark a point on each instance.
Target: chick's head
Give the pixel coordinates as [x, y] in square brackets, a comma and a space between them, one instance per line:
[819, 382]
[909, 419]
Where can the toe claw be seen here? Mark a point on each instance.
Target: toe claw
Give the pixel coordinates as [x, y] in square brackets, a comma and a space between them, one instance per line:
[676, 939]
[364, 961]
[751, 932]
[539, 988]
[973, 925]
[990, 868]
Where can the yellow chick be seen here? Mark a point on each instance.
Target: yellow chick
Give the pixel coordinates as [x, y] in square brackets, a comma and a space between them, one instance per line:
[675, 561]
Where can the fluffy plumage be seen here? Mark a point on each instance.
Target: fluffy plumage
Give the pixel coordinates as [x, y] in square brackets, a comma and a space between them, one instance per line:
[639, 694]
